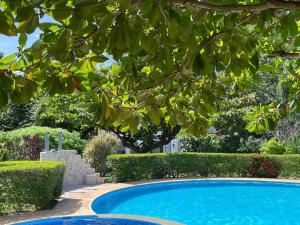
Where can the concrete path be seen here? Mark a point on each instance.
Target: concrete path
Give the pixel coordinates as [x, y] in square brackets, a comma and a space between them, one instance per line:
[76, 200]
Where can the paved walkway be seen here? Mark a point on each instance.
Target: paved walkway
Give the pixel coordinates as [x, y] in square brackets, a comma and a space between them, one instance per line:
[77, 200]
[74, 201]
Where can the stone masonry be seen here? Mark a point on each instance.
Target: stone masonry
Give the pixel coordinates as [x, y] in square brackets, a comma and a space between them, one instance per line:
[77, 170]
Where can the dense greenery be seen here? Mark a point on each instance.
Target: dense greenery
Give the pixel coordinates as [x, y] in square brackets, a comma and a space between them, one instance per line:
[71, 112]
[20, 141]
[5, 154]
[16, 116]
[207, 48]
[273, 146]
[207, 143]
[29, 185]
[99, 148]
[147, 166]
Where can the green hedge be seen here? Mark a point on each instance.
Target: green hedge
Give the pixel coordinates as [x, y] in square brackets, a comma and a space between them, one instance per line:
[150, 166]
[71, 140]
[29, 185]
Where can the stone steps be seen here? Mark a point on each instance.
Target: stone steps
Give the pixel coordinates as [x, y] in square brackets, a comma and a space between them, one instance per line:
[77, 170]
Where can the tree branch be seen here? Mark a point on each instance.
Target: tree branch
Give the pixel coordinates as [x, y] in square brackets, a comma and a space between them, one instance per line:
[267, 4]
[216, 35]
[285, 55]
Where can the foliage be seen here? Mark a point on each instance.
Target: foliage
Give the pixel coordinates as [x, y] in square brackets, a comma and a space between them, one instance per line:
[4, 154]
[99, 148]
[15, 138]
[273, 146]
[16, 116]
[69, 112]
[250, 145]
[293, 145]
[143, 166]
[29, 185]
[231, 128]
[24, 148]
[230, 122]
[207, 143]
[206, 48]
[147, 166]
[264, 167]
[148, 135]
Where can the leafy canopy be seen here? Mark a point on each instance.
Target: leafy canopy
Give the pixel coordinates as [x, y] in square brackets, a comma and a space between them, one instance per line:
[173, 59]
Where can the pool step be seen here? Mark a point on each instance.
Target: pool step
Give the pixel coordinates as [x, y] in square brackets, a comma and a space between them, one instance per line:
[91, 179]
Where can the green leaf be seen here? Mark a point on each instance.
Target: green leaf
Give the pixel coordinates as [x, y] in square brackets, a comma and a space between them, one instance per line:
[22, 40]
[147, 6]
[293, 27]
[154, 114]
[198, 64]
[173, 30]
[7, 59]
[3, 98]
[266, 68]
[99, 59]
[7, 26]
[29, 25]
[61, 11]
[297, 42]
[24, 13]
[47, 26]
[228, 24]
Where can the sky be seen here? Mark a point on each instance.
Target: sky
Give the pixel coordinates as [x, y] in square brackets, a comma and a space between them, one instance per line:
[9, 44]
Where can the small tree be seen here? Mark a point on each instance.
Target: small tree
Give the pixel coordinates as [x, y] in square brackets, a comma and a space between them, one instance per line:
[147, 137]
[98, 148]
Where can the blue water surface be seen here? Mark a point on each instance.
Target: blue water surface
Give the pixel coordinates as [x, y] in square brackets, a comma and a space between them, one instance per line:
[208, 202]
[86, 220]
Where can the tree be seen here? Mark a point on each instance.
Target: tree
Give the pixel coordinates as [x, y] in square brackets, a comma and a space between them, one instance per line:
[173, 58]
[65, 111]
[148, 136]
[71, 112]
[16, 116]
[1, 55]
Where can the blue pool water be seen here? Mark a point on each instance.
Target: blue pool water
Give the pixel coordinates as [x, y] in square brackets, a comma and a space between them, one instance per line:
[208, 202]
[86, 220]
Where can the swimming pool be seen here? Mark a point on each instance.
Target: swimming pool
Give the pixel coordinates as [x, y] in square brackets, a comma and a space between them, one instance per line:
[213, 202]
[99, 220]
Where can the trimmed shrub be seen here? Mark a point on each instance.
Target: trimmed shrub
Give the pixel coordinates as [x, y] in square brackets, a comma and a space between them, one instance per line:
[150, 166]
[273, 146]
[70, 140]
[98, 148]
[29, 185]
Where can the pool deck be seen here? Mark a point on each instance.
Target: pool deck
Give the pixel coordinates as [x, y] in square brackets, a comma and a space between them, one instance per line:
[76, 200]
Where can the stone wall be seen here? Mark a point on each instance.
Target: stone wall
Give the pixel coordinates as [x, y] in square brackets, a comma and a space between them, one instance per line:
[77, 171]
